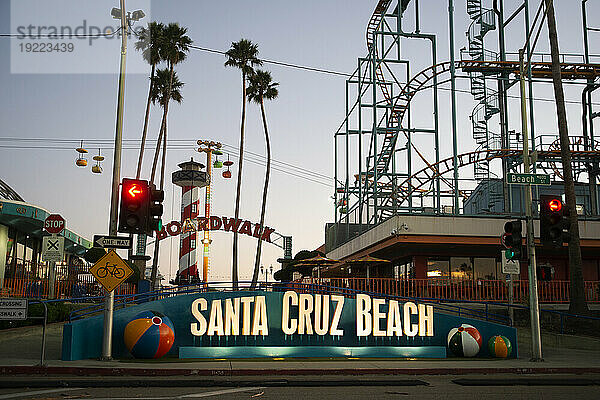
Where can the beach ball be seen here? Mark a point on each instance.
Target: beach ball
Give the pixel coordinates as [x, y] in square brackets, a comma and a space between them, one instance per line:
[500, 346]
[464, 341]
[149, 334]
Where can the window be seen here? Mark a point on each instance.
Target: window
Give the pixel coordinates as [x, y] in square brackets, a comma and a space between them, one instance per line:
[438, 268]
[461, 268]
[194, 208]
[485, 268]
[192, 244]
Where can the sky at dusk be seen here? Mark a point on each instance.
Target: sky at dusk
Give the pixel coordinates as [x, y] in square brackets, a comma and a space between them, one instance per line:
[72, 97]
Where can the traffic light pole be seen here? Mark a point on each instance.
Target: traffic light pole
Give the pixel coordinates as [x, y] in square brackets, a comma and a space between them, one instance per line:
[534, 307]
[116, 178]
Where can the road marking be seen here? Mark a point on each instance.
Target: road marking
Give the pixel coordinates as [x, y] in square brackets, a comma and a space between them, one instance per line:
[186, 396]
[35, 393]
[218, 392]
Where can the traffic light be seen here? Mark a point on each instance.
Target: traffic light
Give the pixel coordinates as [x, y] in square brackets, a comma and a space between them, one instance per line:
[512, 239]
[554, 220]
[133, 212]
[155, 210]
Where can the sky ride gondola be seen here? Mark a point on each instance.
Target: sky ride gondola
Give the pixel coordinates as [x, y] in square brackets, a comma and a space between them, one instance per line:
[81, 160]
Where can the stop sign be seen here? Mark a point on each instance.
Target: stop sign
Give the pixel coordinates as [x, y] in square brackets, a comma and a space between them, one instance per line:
[54, 223]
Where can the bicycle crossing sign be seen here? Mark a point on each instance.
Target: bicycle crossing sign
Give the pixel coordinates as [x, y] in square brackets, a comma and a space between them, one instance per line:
[111, 271]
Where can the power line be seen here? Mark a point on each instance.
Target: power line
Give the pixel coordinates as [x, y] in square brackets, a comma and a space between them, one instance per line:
[284, 64]
[130, 144]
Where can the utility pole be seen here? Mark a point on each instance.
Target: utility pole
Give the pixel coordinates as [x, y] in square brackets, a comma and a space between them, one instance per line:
[116, 179]
[578, 304]
[534, 307]
[209, 147]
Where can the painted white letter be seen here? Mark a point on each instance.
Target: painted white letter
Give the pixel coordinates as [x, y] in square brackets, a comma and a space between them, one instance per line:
[364, 323]
[394, 323]
[377, 315]
[246, 314]
[198, 328]
[410, 329]
[335, 321]
[321, 314]
[232, 316]
[425, 320]
[289, 299]
[260, 326]
[305, 308]
[215, 321]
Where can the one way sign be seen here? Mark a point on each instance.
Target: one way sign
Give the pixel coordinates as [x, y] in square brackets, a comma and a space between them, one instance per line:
[112, 242]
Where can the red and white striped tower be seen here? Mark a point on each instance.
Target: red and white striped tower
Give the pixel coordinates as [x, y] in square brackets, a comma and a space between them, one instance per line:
[190, 178]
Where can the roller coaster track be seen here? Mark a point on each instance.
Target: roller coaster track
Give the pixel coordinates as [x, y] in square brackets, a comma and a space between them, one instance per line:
[399, 104]
[397, 111]
[421, 178]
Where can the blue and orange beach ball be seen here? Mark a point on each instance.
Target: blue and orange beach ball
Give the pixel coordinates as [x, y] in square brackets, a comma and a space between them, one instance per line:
[149, 334]
[499, 346]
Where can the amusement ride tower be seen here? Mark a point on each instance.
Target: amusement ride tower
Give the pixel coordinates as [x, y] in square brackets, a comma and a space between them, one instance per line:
[191, 179]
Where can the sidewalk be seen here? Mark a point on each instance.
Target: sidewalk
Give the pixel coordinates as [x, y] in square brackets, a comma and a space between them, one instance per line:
[20, 349]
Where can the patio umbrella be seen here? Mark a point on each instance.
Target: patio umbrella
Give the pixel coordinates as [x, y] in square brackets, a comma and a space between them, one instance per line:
[367, 261]
[317, 261]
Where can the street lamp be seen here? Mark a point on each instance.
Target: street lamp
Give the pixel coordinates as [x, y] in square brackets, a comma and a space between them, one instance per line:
[117, 13]
[266, 272]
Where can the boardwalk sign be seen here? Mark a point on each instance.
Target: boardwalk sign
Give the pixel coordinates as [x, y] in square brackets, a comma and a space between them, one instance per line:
[214, 223]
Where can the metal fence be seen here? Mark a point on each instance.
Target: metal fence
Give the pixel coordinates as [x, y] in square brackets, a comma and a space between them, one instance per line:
[457, 289]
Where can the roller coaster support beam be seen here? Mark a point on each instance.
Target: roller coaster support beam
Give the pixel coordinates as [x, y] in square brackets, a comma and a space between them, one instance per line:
[432, 39]
[534, 307]
[453, 97]
[503, 102]
[586, 101]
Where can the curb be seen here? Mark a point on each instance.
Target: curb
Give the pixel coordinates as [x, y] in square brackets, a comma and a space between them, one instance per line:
[124, 372]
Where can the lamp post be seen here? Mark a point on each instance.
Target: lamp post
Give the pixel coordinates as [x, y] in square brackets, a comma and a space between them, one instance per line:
[209, 147]
[266, 272]
[116, 178]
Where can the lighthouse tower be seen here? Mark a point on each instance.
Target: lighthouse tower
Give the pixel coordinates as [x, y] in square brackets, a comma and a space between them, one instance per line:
[191, 178]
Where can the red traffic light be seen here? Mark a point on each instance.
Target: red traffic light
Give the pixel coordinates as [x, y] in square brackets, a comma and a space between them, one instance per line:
[134, 190]
[555, 205]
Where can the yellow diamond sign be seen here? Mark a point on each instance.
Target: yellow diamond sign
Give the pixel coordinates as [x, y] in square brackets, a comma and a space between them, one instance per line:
[111, 271]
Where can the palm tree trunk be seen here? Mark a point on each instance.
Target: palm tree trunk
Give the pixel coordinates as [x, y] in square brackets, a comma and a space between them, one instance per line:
[578, 304]
[146, 118]
[162, 173]
[264, 198]
[234, 265]
[158, 144]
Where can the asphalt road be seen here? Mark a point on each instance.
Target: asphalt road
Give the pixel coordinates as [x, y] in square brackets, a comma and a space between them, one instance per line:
[418, 387]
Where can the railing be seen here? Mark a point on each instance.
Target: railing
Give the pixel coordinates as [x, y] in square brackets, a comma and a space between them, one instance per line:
[455, 289]
[82, 287]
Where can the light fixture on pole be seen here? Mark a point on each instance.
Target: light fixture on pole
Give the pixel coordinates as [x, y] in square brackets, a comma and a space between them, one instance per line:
[117, 13]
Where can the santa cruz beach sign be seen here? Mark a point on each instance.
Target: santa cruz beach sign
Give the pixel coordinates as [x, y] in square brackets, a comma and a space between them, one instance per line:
[289, 323]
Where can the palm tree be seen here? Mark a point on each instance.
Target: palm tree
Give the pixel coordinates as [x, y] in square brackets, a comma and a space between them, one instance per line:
[244, 56]
[578, 304]
[261, 87]
[166, 86]
[149, 45]
[174, 46]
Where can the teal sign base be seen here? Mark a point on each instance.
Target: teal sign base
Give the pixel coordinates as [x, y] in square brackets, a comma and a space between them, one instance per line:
[194, 337]
[312, 351]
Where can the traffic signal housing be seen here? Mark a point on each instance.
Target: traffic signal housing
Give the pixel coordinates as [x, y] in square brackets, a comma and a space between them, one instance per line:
[133, 211]
[512, 239]
[155, 210]
[554, 220]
